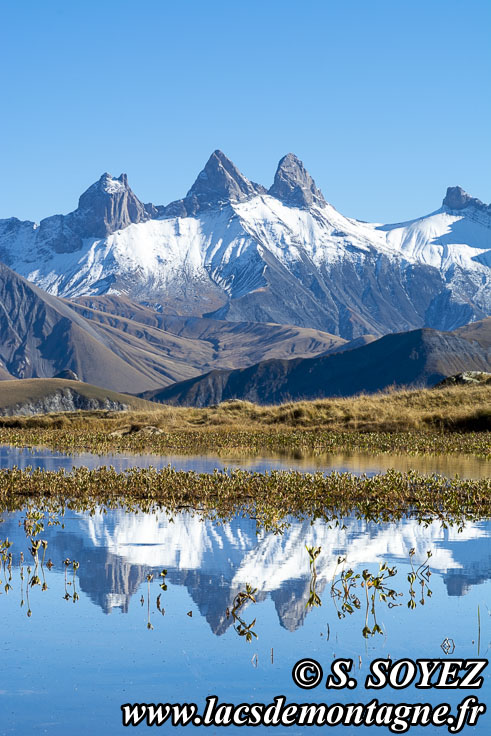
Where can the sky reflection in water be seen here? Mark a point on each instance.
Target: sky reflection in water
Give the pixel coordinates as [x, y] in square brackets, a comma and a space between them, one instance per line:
[465, 466]
[70, 665]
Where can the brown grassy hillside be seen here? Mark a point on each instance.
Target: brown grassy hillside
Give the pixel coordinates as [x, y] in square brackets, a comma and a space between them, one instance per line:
[450, 408]
[36, 395]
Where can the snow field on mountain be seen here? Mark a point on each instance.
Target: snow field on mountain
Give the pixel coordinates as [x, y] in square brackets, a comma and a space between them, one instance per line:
[215, 244]
[441, 239]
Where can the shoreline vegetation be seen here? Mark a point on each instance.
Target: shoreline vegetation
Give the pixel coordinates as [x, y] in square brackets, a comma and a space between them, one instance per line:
[269, 498]
[439, 421]
[454, 419]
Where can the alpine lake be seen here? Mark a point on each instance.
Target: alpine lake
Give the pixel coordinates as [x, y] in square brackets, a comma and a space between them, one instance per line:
[107, 604]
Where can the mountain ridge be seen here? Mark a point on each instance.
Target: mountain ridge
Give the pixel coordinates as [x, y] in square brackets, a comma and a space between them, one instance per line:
[233, 250]
[29, 396]
[412, 359]
[133, 348]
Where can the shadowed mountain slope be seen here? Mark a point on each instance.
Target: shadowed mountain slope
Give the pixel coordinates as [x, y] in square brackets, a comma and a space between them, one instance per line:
[42, 336]
[417, 358]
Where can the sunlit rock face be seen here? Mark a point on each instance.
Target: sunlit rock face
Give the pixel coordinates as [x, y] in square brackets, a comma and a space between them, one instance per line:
[284, 255]
[294, 186]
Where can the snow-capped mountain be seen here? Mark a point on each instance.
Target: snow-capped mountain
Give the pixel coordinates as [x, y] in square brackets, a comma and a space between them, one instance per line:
[233, 250]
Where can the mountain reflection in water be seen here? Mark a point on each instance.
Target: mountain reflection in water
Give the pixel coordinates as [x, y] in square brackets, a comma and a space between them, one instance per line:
[67, 668]
[117, 550]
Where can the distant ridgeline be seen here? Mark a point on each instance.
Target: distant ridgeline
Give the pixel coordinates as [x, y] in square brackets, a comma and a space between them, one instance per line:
[233, 280]
[234, 250]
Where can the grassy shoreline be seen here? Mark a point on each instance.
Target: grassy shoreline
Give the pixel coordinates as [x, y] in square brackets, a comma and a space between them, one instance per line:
[451, 408]
[455, 419]
[223, 442]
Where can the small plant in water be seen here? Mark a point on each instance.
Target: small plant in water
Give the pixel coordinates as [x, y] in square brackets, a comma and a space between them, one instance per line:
[345, 584]
[163, 575]
[343, 591]
[421, 575]
[240, 626]
[376, 584]
[314, 599]
[66, 563]
[75, 566]
[149, 580]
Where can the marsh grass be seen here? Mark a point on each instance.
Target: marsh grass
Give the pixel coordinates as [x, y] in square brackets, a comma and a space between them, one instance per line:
[455, 419]
[269, 498]
[280, 441]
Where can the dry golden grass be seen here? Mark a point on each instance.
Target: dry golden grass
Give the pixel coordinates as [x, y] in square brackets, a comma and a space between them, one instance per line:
[453, 408]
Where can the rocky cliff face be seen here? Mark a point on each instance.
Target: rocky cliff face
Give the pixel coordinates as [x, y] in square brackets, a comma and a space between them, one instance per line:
[106, 206]
[457, 199]
[220, 182]
[293, 184]
[59, 400]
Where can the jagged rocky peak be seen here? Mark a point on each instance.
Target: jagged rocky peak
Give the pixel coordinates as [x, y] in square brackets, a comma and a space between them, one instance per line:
[458, 199]
[218, 183]
[221, 181]
[293, 184]
[108, 205]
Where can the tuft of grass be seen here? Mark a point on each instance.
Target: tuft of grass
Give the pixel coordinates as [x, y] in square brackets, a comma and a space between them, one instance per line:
[435, 421]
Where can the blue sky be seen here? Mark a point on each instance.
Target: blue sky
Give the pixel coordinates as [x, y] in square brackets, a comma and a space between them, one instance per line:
[387, 102]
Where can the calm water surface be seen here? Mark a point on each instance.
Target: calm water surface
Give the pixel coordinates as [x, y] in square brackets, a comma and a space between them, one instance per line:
[465, 466]
[74, 652]
[69, 665]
